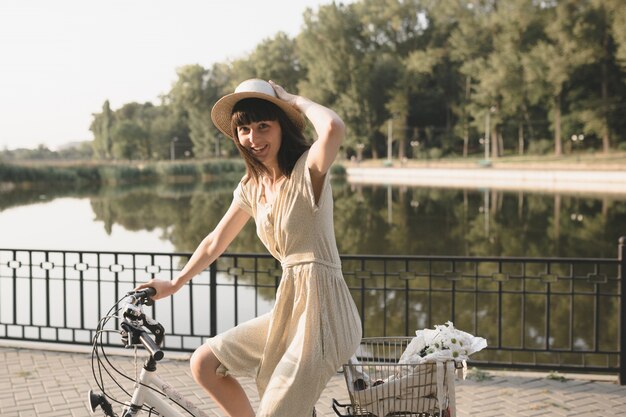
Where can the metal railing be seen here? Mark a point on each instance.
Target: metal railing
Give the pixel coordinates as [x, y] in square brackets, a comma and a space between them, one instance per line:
[560, 314]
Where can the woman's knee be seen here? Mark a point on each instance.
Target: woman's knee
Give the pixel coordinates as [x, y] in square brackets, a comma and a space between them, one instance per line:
[204, 363]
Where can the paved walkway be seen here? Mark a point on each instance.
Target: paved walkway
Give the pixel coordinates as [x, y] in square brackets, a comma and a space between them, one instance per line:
[48, 383]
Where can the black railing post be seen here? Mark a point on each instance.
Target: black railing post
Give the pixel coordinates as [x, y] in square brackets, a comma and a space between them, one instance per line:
[14, 284]
[213, 297]
[621, 256]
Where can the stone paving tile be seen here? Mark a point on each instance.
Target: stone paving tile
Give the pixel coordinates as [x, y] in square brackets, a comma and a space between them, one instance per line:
[46, 383]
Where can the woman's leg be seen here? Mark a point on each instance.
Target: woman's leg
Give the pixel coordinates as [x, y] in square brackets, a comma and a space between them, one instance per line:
[225, 390]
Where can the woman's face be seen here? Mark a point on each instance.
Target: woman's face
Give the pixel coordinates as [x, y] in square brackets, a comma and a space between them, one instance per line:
[262, 138]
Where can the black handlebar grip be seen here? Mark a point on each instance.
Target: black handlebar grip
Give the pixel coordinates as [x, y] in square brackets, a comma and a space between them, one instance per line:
[151, 346]
[143, 296]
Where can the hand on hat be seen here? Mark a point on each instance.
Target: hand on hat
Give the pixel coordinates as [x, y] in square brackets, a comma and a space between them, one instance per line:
[283, 95]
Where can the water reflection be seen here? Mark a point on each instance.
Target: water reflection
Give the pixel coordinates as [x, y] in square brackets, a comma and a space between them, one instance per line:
[430, 221]
[370, 219]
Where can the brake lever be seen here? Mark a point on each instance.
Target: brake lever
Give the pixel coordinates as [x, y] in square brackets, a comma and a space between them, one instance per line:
[155, 328]
[136, 319]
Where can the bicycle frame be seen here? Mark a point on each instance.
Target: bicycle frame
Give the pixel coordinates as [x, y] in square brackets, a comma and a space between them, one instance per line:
[150, 394]
[145, 395]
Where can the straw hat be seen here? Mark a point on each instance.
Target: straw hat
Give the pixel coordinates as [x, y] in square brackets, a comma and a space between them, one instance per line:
[253, 88]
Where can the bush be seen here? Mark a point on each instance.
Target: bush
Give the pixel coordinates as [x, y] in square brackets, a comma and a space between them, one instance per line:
[223, 166]
[541, 147]
[27, 173]
[13, 173]
[435, 153]
[177, 169]
[121, 173]
[337, 170]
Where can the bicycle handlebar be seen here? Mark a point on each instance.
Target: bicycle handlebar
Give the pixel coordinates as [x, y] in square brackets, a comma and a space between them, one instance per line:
[135, 320]
[143, 296]
[148, 292]
[151, 346]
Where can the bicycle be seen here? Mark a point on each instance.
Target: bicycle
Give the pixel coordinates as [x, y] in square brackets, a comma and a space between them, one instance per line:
[151, 394]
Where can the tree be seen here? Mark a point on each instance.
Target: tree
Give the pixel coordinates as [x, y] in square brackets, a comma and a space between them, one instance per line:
[193, 94]
[462, 41]
[101, 129]
[601, 102]
[552, 61]
[395, 29]
[346, 71]
[129, 141]
[444, 71]
[277, 59]
[518, 27]
[167, 128]
[618, 28]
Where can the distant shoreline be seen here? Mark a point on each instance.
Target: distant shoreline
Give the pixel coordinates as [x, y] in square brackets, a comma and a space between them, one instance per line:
[532, 178]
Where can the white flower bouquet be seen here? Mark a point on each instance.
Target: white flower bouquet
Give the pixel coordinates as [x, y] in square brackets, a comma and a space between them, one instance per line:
[422, 381]
[442, 344]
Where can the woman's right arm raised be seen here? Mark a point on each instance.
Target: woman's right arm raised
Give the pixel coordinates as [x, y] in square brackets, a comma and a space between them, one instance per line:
[211, 247]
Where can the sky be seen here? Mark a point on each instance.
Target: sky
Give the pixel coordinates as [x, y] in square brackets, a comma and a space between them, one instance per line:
[60, 60]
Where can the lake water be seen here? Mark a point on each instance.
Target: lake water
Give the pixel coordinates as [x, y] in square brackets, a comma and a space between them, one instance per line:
[368, 220]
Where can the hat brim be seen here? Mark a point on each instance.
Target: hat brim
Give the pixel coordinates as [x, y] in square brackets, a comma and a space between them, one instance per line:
[222, 111]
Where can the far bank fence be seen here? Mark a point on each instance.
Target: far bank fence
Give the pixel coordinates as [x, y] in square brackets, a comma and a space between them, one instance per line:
[560, 314]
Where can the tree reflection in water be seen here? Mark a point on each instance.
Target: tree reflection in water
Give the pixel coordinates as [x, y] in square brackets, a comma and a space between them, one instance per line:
[377, 219]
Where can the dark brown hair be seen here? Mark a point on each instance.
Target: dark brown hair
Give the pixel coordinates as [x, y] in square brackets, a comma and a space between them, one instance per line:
[293, 143]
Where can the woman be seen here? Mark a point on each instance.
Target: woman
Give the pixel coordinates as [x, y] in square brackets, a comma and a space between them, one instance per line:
[314, 327]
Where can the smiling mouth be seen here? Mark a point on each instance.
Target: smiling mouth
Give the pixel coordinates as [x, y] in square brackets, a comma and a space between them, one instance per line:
[259, 150]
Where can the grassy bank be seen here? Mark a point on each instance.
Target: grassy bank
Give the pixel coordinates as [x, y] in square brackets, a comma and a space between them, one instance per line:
[87, 172]
[68, 172]
[90, 172]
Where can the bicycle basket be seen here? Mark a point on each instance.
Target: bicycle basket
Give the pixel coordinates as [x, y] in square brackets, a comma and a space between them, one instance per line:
[379, 386]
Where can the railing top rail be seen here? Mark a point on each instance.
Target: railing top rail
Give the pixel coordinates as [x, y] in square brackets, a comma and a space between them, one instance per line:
[455, 258]
[479, 258]
[96, 252]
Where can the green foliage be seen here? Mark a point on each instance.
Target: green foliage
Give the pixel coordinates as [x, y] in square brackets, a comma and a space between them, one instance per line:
[101, 129]
[12, 173]
[540, 147]
[435, 153]
[337, 170]
[555, 376]
[119, 173]
[439, 72]
[124, 174]
[618, 29]
[130, 141]
[225, 166]
[200, 169]
[76, 152]
[479, 375]
[276, 59]
[177, 169]
[192, 96]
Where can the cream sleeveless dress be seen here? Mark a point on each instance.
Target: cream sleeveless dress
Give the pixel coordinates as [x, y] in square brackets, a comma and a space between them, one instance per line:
[314, 327]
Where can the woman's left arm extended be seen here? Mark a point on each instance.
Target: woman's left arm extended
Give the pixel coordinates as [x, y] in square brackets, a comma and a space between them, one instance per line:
[330, 131]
